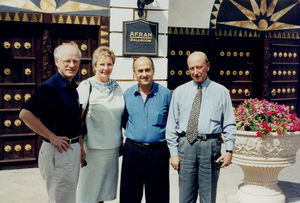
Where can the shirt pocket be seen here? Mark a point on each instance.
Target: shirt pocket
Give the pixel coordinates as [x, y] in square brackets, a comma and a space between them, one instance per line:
[159, 119]
[215, 113]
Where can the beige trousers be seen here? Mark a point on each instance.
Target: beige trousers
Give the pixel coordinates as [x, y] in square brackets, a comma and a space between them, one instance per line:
[60, 170]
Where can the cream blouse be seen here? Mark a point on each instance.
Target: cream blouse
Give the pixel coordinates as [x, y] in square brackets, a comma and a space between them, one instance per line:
[103, 120]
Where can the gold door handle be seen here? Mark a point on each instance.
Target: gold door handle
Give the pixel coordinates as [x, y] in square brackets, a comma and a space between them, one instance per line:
[18, 122]
[27, 71]
[27, 147]
[280, 54]
[283, 90]
[248, 54]
[240, 91]
[284, 72]
[278, 91]
[17, 97]
[247, 92]
[240, 72]
[247, 72]
[222, 53]
[83, 47]
[188, 52]
[295, 55]
[241, 54]
[27, 45]
[221, 72]
[233, 91]
[274, 72]
[180, 52]
[7, 148]
[275, 54]
[234, 72]
[290, 55]
[27, 97]
[6, 45]
[7, 97]
[180, 72]
[17, 45]
[285, 54]
[172, 72]
[292, 107]
[293, 90]
[279, 72]
[187, 72]
[288, 90]
[7, 71]
[228, 72]
[7, 123]
[83, 71]
[273, 92]
[172, 52]
[18, 148]
[294, 72]
[228, 54]
[235, 54]
[289, 72]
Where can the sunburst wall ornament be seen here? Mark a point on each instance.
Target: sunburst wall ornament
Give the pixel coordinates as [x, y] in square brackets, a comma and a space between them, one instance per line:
[79, 7]
[262, 15]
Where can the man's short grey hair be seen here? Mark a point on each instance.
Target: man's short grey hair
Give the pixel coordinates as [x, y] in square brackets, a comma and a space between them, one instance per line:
[142, 57]
[57, 50]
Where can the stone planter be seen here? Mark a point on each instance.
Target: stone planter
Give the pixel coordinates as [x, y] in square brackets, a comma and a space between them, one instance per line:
[261, 160]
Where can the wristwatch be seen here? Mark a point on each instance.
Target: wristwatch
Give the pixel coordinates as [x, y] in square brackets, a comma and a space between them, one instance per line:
[230, 151]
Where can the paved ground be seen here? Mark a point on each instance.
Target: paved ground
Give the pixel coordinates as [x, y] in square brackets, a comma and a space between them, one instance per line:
[26, 185]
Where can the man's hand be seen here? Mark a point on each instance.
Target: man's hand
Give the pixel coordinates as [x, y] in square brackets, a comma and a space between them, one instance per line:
[60, 143]
[175, 162]
[83, 155]
[226, 159]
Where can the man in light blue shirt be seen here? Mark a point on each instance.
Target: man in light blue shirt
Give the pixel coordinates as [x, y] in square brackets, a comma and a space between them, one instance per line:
[146, 154]
[198, 163]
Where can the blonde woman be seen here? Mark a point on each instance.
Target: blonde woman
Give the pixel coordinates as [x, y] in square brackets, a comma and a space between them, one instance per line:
[98, 180]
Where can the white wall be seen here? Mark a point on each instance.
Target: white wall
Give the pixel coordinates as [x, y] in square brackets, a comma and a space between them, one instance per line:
[126, 10]
[190, 13]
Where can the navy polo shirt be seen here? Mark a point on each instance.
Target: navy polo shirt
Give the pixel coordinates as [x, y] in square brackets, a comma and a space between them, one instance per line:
[55, 102]
[146, 121]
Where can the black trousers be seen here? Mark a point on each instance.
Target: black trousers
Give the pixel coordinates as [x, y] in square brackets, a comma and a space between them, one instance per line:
[145, 167]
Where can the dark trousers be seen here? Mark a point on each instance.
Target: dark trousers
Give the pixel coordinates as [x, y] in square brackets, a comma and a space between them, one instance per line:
[145, 167]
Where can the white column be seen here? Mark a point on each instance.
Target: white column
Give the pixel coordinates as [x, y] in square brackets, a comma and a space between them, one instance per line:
[120, 11]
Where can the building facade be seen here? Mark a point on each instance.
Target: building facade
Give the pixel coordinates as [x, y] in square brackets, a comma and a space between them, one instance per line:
[253, 46]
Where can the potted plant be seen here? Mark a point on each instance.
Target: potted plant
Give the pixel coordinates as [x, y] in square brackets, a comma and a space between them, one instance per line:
[268, 138]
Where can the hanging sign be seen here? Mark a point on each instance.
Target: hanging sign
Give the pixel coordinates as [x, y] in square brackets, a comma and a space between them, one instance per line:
[140, 38]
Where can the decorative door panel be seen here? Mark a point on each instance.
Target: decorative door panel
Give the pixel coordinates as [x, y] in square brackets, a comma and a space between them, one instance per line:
[259, 65]
[26, 60]
[284, 82]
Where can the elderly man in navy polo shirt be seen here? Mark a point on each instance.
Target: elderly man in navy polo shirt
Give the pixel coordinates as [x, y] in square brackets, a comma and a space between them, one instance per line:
[54, 113]
[146, 155]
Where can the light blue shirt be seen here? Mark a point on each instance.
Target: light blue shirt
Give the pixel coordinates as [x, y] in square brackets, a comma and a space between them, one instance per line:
[216, 113]
[146, 121]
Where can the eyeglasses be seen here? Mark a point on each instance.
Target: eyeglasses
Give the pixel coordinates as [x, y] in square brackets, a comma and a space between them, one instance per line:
[76, 62]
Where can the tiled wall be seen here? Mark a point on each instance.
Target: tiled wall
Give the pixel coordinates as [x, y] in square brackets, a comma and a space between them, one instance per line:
[120, 11]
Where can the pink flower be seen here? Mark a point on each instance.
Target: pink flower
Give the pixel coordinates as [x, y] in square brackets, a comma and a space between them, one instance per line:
[279, 131]
[259, 134]
[268, 129]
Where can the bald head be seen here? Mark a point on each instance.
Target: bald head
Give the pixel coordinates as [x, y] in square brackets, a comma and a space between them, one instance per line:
[198, 66]
[199, 55]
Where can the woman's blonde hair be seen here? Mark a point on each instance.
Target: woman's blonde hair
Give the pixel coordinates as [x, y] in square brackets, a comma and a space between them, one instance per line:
[101, 52]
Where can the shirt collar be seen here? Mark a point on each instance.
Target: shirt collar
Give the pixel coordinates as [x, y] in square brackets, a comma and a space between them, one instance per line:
[63, 82]
[153, 90]
[203, 85]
